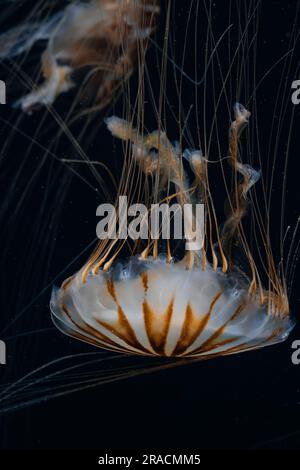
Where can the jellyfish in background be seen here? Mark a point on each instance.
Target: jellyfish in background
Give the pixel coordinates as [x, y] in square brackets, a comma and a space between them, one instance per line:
[89, 44]
[198, 306]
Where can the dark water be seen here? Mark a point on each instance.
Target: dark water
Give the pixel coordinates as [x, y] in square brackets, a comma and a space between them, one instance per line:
[48, 218]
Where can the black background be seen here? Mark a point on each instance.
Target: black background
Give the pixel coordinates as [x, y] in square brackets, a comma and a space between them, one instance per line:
[250, 400]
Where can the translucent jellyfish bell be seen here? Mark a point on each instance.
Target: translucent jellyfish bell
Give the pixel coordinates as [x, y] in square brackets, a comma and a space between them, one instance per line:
[166, 310]
[199, 306]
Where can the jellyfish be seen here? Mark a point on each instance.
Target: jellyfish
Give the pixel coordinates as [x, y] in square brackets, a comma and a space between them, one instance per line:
[198, 306]
[149, 304]
[85, 53]
[92, 45]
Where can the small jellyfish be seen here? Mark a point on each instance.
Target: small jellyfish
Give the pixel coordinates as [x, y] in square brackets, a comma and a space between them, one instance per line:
[200, 305]
[89, 44]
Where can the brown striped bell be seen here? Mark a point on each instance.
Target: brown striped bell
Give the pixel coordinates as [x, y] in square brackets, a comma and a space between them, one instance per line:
[163, 309]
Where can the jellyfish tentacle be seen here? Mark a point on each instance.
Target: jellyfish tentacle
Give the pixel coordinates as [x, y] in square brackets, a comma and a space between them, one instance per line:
[21, 38]
[238, 201]
[57, 80]
[165, 160]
